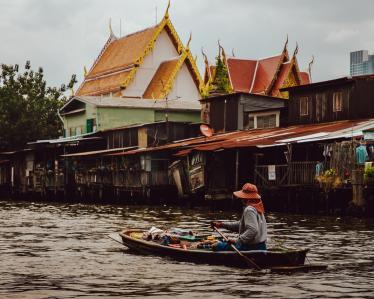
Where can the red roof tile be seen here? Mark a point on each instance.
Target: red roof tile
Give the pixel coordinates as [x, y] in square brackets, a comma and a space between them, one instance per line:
[305, 79]
[241, 73]
[266, 71]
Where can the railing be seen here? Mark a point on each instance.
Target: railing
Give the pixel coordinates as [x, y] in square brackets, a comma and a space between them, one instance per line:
[295, 173]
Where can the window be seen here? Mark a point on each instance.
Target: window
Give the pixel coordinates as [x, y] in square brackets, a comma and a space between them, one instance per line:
[72, 132]
[321, 106]
[78, 131]
[304, 103]
[266, 121]
[337, 101]
[91, 125]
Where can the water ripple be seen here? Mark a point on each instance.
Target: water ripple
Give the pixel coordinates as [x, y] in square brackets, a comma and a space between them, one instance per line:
[62, 251]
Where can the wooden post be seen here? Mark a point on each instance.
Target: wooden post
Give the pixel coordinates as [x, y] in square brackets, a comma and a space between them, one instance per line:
[357, 187]
[224, 116]
[237, 169]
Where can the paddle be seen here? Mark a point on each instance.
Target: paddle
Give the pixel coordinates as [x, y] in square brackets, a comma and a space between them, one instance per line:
[247, 259]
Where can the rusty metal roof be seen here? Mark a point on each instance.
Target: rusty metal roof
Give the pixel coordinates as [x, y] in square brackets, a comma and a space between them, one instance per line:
[264, 137]
[99, 152]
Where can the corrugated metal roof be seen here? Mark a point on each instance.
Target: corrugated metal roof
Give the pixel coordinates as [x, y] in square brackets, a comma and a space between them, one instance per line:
[265, 137]
[178, 104]
[94, 153]
[82, 137]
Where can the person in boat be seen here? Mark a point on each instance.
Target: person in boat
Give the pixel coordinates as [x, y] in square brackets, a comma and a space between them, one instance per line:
[252, 227]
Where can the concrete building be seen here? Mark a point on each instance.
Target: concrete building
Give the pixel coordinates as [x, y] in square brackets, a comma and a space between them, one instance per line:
[361, 63]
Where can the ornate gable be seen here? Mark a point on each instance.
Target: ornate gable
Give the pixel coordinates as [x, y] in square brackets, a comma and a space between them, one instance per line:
[121, 58]
[263, 76]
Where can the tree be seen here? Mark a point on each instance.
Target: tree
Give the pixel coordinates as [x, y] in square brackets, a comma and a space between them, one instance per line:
[221, 83]
[28, 107]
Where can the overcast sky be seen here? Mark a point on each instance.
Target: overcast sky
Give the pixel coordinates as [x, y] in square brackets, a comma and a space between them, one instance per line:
[63, 36]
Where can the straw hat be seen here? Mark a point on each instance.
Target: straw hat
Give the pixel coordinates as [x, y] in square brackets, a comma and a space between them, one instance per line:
[249, 191]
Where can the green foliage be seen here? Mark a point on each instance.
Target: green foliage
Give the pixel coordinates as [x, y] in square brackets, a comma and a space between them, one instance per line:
[330, 172]
[28, 107]
[221, 82]
[369, 173]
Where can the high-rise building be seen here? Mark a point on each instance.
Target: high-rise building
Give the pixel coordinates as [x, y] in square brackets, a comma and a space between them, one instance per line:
[361, 63]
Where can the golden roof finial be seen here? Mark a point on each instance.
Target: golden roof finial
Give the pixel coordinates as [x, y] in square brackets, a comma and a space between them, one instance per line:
[310, 68]
[110, 27]
[285, 44]
[167, 10]
[85, 71]
[221, 51]
[204, 55]
[296, 50]
[189, 41]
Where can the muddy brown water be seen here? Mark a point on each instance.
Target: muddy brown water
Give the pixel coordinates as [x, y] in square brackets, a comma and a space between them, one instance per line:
[52, 250]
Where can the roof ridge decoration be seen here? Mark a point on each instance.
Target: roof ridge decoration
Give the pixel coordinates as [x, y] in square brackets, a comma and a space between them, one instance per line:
[293, 64]
[284, 55]
[254, 77]
[164, 24]
[296, 64]
[208, 73]
[224, 60]
[111, 38]
[310, 68]
[185, 56]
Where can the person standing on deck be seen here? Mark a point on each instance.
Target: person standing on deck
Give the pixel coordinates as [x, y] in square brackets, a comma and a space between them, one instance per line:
[252, 227]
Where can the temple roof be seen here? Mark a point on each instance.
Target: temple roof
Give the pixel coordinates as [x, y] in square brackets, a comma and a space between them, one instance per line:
[264, 76]
[253, 76]
[266, 71]
[122, 52]
[156, 88]
[241, 73]
[120, 58]
[103, 85]
[305, 78]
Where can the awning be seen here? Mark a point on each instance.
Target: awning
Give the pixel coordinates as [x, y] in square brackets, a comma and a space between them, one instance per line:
[99, 152]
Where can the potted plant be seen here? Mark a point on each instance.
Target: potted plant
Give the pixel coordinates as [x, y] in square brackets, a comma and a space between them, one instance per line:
[369, 175]
[329, 180]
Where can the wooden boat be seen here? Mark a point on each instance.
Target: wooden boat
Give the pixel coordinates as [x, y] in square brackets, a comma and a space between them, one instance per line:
[272, 258]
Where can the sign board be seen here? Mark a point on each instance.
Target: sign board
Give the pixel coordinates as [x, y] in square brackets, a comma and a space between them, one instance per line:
[368, 135]
[271, 173]
[196, 171]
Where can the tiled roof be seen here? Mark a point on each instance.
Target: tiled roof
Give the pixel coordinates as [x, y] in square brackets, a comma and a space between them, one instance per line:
[241, 73]
[305, 78]
[266, 71]
[254, 76]
[100, 101]
[122, 52]
[118, 55]
[282, 76]
[155, 88]
[103, 85]
[264, 76]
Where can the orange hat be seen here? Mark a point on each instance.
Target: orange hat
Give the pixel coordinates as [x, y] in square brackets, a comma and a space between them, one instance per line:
[249, 191]
[250, 194]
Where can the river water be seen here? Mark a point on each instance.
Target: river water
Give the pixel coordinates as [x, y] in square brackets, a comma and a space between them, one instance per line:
[52, 250]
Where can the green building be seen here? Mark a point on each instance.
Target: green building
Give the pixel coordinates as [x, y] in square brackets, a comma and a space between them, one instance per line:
[88, 114]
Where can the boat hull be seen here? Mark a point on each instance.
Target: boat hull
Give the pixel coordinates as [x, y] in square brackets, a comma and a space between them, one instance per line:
[263, 258]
